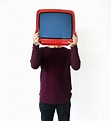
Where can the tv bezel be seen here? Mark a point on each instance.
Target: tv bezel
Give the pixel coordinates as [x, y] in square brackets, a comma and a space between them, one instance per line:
[55, 41]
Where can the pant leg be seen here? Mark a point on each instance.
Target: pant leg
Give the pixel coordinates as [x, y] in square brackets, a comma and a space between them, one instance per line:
[47, 111]
[63, 111]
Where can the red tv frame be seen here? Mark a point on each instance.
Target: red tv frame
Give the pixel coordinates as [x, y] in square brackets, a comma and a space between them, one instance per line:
[54, 41]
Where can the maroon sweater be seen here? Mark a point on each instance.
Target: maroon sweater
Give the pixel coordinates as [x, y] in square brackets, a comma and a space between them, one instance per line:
[55, 79]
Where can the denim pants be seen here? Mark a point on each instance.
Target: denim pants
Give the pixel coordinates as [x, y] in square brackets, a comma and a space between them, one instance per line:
[48, 110]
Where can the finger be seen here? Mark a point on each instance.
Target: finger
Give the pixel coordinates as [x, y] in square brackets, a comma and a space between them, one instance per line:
[74, 38]
[69, 42]
[35, 35]
[38, 32]
[76, 35]
[36, 38]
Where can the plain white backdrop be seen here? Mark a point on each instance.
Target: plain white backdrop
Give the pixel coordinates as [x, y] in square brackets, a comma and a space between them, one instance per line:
[19, 83]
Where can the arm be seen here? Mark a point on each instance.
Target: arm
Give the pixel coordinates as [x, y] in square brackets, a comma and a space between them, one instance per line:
[36, 53]
[75, 60]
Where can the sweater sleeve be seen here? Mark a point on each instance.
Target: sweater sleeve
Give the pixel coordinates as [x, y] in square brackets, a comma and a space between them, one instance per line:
[75, 60]
[36, 57]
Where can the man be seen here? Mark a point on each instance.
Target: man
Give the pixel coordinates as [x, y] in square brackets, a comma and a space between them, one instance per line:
[55, 78]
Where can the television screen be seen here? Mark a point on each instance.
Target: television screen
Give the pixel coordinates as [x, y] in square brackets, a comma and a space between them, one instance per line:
[56, 25]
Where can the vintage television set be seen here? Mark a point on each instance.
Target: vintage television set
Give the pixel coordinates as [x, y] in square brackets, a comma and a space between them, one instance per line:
[55, 26]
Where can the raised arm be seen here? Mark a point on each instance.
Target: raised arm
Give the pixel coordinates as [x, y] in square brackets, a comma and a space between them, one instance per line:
[75, 59]
[36, 57]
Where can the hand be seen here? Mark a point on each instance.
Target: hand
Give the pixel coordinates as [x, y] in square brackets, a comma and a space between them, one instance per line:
[35, 38]
[75, 40]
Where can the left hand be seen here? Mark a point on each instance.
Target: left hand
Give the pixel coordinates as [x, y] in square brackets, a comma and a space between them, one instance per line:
[75, 40]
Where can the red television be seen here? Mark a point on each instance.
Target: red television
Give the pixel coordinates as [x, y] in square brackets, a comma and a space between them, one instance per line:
[55, 26]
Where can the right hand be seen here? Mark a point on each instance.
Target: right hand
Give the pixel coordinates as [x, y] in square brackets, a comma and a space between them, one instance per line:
[75, 40]
[36, 38]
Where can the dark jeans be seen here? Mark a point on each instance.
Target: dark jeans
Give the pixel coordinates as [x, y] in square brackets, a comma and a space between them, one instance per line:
[47, 111]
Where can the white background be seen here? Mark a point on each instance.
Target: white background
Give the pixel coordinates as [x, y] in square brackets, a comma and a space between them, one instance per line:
[19, 83]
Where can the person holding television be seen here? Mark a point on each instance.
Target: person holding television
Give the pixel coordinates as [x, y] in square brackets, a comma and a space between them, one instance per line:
[55, 77]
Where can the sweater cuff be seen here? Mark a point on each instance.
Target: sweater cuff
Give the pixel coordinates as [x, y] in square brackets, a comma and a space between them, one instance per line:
[74, 48]
[35, 47]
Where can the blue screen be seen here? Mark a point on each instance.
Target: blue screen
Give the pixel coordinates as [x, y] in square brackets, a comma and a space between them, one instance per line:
[55, 25]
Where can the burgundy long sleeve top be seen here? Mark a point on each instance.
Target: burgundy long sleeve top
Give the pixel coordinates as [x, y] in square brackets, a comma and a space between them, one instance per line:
[55, 78]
